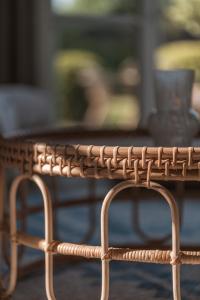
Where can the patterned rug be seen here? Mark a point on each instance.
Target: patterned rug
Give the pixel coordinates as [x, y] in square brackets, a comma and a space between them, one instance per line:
[135, 281]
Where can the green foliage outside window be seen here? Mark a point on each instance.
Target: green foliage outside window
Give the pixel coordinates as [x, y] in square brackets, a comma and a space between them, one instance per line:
[181, 54]
[67, 66]
[184, 15]
[99, 7]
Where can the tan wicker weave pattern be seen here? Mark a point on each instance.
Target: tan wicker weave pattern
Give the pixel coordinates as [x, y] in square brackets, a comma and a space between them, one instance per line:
[121, 254]
[138, 163]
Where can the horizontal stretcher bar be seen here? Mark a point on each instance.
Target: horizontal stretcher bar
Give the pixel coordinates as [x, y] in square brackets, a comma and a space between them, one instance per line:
[95, 252]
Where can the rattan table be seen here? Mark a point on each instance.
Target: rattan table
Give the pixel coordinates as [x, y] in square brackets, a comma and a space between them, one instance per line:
[134, 166]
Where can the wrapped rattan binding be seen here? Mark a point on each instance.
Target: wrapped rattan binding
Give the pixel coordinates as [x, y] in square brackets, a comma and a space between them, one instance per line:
[120, 254]
[138, 163]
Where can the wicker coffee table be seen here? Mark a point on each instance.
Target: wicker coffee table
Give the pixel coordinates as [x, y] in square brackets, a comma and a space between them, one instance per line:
[134, 166]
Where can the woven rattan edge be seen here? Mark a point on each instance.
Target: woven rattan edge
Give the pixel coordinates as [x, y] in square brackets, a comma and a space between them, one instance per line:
[139, 163]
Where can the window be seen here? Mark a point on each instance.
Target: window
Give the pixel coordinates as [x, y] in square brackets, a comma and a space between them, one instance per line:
[96, 62]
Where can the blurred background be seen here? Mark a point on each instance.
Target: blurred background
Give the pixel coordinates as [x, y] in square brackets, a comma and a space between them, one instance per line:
[92, 61]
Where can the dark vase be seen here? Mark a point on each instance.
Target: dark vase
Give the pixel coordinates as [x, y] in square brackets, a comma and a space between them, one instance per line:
[174, 122]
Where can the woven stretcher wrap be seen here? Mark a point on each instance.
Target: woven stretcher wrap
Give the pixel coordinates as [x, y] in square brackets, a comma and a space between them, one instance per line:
[121, 254]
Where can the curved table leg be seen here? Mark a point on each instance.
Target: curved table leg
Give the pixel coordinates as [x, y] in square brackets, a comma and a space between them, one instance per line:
[1, 203]
[2, 185]
[23, 193]
[105, 234]
[48, 234]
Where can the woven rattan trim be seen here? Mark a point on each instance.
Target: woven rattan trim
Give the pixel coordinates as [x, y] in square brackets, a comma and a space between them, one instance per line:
[121, 254]
[102, 161]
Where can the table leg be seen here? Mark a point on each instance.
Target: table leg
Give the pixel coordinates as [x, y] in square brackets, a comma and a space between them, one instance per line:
[14, 235]
[175, 252]
[2, 183]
